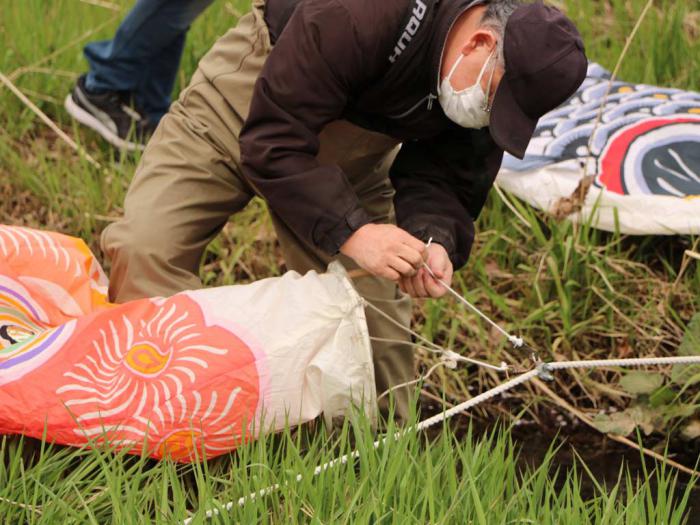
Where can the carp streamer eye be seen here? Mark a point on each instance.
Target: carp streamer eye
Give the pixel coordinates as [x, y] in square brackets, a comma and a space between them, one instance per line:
[674, 169]
[658, 156]
[14, 334]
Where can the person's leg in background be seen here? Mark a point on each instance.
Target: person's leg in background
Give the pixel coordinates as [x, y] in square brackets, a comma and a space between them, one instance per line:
[138, 66]
[144, 55]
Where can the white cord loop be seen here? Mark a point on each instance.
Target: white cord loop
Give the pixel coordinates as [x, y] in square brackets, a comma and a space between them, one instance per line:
[450, 359]
[429, 345]
[516, 341]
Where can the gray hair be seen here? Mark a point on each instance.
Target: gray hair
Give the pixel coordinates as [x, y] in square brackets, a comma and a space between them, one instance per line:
[495, 18]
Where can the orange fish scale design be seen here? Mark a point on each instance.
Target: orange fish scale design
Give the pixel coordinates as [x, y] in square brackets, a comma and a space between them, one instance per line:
[152, 376]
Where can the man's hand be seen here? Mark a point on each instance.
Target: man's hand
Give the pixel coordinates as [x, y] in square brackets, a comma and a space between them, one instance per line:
[385, 250]
[422, 284]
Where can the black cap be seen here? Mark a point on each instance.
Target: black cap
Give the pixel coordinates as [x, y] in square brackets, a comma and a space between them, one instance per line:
[545, 64]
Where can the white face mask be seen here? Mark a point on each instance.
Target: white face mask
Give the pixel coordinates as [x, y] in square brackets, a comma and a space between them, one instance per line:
[468, 107]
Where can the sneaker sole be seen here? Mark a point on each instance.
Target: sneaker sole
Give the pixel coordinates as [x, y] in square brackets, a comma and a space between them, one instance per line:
[86, 119]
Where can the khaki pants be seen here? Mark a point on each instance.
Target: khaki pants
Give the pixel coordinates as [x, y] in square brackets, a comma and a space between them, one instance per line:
[189, 182]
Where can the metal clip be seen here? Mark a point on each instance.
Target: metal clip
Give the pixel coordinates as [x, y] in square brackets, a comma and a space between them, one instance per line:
[544, 371]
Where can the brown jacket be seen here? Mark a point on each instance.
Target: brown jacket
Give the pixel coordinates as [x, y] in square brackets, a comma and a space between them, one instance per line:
[375, 63]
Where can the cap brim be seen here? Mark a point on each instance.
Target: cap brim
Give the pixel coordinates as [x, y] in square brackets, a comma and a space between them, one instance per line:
[510, 127]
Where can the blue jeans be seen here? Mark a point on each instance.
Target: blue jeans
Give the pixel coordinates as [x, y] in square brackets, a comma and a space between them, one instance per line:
[144, 55]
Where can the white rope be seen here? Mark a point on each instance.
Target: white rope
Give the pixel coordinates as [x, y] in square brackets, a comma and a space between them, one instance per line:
[396, 436]
[449, 357]
[543, 371]
[485, 396]
[641, 361]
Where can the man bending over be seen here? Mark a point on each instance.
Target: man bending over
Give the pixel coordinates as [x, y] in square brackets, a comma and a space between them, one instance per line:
[306, 102]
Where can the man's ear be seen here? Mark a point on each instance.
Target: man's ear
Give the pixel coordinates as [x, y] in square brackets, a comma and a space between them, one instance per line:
[480, 38]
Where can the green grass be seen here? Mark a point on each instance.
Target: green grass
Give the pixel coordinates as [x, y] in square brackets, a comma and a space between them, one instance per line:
[573, 292]
[414, 480]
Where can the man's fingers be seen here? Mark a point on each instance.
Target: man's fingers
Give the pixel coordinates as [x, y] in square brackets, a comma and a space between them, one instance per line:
[401, 266]
[408, 285]
[433, 287]
[418, 284]
[411, 256]
[389, 273]
[438, 272]
[413, 243]
[439, 262]
[435, 268]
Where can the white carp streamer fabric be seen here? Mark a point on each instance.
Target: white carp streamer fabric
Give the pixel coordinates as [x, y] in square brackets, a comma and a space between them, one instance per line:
[187, 376]
[644, 156]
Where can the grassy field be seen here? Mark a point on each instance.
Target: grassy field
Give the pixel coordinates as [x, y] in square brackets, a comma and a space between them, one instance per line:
[571, 291]
[447, 480]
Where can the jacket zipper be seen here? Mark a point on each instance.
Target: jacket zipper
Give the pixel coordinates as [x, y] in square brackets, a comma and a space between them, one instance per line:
[414, 107]
[430, 97]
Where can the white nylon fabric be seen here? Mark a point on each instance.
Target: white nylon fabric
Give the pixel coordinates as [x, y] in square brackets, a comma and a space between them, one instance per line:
[606, 210]
[640, 144]
[317, 355]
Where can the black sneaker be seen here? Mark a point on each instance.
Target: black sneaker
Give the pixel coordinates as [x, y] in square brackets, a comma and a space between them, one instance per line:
[111, 115]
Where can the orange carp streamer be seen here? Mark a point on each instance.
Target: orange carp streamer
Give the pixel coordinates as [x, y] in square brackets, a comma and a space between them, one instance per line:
[185, 377]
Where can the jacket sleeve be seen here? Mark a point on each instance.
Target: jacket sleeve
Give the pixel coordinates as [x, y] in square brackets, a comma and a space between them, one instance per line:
[442, 184]
[317, 62]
